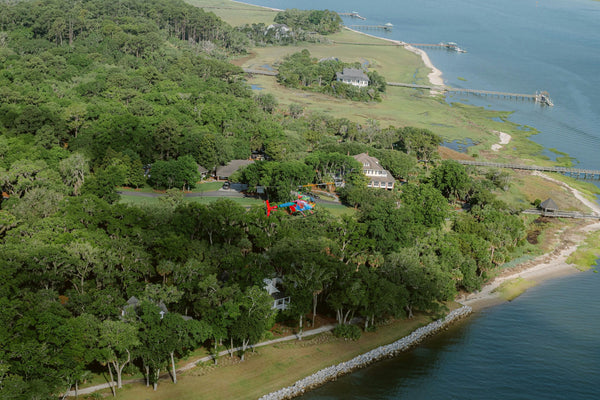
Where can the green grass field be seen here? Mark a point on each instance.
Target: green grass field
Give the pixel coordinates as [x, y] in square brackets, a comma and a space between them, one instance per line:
[269, 368]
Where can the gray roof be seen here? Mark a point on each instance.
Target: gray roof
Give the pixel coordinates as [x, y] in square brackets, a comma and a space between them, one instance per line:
[549, 204]
[368, 162]
[224, 172]
[352, 73]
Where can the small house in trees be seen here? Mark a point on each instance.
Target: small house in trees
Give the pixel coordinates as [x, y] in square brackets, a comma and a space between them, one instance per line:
[353, 76]
[202, 171]
[225, 171]
[377, 175]
[133, 303]
[278, 31]
[549, 206]
[272, 286]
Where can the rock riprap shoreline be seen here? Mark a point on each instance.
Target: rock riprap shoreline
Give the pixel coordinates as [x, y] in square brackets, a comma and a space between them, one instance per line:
[330, 373]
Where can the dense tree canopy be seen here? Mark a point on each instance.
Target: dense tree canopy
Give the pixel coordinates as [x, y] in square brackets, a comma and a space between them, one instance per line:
[92, 95]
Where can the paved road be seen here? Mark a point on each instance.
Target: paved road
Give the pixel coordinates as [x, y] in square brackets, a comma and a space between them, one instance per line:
[215, 193]
[194, 363]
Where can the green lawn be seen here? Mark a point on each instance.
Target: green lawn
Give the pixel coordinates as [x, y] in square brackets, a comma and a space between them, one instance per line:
[269, 368]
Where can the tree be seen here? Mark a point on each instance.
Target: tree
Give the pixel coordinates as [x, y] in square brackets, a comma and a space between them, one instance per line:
[117, 340]
[256, 315]
[451, 179]
[426, 204]
[181, 173]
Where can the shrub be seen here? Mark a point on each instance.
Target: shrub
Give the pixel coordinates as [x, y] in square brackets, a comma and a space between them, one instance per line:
[352, 332]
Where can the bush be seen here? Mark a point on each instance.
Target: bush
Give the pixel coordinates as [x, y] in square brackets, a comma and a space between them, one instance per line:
[352, 332]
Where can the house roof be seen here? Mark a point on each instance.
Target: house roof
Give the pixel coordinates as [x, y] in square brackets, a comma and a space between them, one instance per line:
[227, 170]
[352, 73]
[549, 204]
[202, 170]
[368, 162]
[388, 178]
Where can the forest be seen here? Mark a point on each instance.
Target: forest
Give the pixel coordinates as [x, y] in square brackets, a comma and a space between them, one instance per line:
[90, 93]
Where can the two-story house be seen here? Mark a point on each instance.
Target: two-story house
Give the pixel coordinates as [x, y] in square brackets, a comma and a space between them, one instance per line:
[353, 76]
[378, 177]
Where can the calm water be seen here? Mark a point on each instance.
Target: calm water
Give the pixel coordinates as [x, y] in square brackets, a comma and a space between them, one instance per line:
[543, 345]
[546, 343]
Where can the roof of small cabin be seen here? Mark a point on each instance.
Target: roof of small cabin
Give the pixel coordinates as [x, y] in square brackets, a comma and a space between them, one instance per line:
[226, 171]
[352, 73]
[549, 204]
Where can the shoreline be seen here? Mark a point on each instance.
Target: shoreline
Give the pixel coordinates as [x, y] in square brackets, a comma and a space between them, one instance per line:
[435, 76]
[254, 5]
[546, 266]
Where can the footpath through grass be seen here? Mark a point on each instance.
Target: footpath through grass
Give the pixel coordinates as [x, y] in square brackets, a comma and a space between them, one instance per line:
[270, 368]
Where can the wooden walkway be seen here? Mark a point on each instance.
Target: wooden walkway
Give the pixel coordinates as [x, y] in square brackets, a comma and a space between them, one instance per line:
[376, 27]
[584, 174]
[352, 14]
[534, 97]
[540, 97]
[561, 214]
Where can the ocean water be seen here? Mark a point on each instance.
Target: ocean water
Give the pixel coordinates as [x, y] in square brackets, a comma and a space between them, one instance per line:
[546, 343]
[542, 345]
[517, 46]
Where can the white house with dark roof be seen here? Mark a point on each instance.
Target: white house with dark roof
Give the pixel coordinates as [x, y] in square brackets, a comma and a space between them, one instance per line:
[353, 76]
[377, 175]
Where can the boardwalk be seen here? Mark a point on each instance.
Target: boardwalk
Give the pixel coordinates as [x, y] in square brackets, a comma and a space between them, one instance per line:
[352, 14]
[544, 99]
[562, 214]
[585, 174]
[540, 97]
[375, 27]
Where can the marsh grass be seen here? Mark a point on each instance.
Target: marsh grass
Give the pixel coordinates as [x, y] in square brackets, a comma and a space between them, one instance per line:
[512, 289]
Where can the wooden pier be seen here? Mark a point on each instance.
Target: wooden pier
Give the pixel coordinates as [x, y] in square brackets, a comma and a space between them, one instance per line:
[372, 27]
[583, 174]
[561, 214]
[352, 14]
[538, 97]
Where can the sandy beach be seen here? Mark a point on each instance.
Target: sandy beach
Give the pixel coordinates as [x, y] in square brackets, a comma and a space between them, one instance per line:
[544, 267]
[504, 140]
[435, 76]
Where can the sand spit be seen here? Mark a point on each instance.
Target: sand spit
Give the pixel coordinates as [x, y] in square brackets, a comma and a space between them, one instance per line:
[546, 266]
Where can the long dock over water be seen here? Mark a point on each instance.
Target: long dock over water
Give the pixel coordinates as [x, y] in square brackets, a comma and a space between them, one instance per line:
[352, 14]
[583, 174]
[539, 97]
[372, 27]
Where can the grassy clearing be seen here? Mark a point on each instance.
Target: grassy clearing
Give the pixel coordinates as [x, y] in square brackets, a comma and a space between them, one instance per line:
[526, 188]
[586, 256]
[234, 13]
[400, 106]
[270, 368]
[512, 289]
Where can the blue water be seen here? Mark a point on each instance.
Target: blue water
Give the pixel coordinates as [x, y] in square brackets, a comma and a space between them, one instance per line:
[543, 345]
[517, 46]
[546, 343]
